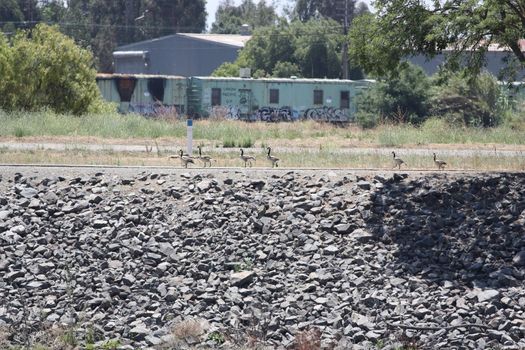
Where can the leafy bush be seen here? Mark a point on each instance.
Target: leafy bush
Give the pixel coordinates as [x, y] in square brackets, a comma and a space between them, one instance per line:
[42, 68]
[469, 101]
[400, 98]
[367, 120]
[227, 69]
[286, 70]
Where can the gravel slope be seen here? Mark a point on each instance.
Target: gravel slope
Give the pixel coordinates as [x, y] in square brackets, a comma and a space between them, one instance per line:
[364, 259]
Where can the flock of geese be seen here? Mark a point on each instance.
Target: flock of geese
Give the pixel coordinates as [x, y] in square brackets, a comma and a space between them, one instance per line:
[206, 159]
[247, 159]
[398, 161]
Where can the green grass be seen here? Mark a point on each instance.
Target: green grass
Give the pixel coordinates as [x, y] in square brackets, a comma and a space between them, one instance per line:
[243, 134]
[435, 131]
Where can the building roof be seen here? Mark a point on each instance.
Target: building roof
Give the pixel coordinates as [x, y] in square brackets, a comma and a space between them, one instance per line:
[287, 80]
[234, 40]
[498, 47]
[138, 76]
[228, 39]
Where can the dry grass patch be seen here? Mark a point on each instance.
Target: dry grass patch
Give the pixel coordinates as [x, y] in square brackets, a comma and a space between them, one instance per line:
[325, 158]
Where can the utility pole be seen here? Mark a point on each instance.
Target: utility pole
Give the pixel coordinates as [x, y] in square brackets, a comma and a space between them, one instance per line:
[345, 43]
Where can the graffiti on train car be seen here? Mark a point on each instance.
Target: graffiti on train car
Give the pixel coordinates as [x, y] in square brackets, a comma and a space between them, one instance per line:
[224, 112]
[156, 110]
[280, 114]
[327, 114]
[276, 114]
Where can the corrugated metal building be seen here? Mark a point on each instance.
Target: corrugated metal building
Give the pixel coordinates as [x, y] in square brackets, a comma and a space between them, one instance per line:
[182, 54]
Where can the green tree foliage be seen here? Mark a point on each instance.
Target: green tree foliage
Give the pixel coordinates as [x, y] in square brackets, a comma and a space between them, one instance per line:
[467, 27]
[310, 50]
[229, 18]
[103, 25]
[306, 10]
[227, 69]
[43, 68]
[469, 101]
[403, 97]
[285, 70]
[10, 14]
[6, 72]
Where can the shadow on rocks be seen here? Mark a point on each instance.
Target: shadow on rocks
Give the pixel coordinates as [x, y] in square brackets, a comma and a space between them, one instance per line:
[454, 229]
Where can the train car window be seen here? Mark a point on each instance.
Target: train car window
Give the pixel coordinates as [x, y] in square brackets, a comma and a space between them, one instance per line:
[215, 97]
[318, 97]
[156, 88]
[125, 88]
[274, 95]
[345, 99]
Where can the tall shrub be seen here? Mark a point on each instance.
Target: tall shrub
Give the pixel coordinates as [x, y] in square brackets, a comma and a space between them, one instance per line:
[403, 97]
[469, 101]
[46, 69]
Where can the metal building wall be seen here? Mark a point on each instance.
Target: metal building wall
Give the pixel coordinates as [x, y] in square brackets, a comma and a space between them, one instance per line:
[176, 55]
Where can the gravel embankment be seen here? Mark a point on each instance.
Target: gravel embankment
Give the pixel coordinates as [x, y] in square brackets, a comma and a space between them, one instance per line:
[434, 260]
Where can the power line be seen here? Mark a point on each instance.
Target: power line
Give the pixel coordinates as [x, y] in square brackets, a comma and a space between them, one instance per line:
[336, 29]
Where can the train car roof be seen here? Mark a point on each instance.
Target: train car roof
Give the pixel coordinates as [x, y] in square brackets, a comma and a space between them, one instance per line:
[285, 80]
[144, 76]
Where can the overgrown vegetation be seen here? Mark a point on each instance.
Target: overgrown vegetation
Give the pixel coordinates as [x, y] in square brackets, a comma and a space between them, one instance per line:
[464, 29]
[409, 96]
[306, 49]
[308, 134]
[42, 68]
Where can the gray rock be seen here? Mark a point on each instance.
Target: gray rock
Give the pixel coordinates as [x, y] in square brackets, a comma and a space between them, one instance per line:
[484, 295]
[365, 185]
[128, 279]
[4, 214]
[518, 260]
[99, 223]
[344, 228]
[28, 192]
[139, 332]
[50, 198]
[331, 250]
[362, 235]
[242, 278]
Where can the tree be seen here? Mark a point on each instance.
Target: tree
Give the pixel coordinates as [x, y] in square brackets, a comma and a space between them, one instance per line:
[45, 69]
[335, 9]
[10, 11]
[401, 98]
[6, 72]
[468, 101]
[11, 14]
[229, 18]
[308, 49]
[102, 25]
[465, 27]
[285, 70]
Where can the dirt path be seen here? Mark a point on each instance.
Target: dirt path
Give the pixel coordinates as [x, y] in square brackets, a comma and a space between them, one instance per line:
[494, 151]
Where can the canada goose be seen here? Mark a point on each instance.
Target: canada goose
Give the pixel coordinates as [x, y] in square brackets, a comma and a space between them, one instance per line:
[440, 163]
[185, 159]
[246, 159]
[272, 159]
[204, 158]
[397, 161]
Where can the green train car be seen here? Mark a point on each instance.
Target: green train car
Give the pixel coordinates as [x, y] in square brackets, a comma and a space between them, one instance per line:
[150, 95]
[274, 99]
[269, 99]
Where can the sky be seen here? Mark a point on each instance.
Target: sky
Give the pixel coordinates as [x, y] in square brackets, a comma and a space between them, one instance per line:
[212, 5]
